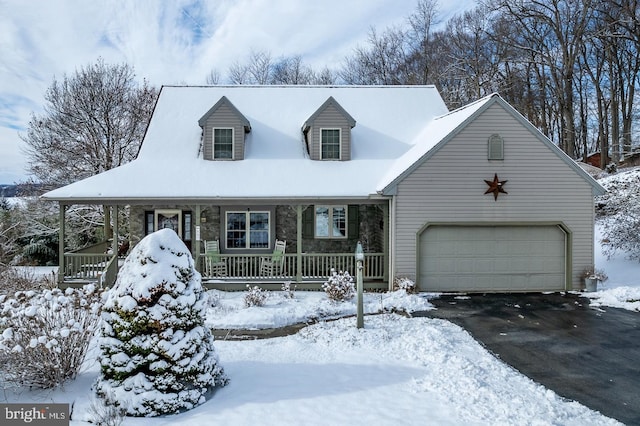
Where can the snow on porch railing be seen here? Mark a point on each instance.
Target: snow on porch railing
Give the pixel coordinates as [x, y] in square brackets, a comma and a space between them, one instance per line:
[316, 266]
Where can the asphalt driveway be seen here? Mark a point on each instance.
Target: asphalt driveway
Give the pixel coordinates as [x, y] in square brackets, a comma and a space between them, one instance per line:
[590, 355]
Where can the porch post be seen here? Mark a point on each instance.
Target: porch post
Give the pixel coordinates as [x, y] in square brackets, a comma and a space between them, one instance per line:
[299, 245]
[108, 230]
[61, 231]
[114, 243]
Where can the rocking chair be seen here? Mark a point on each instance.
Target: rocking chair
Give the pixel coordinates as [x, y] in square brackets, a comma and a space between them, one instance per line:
[215, 264]
[274, 265]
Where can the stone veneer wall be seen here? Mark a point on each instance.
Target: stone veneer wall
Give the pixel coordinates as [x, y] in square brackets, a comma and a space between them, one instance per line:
[371, 232]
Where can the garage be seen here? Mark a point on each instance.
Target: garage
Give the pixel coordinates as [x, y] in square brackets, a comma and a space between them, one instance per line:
[492, 258]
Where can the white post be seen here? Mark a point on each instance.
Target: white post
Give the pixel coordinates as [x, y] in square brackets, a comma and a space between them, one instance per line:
[359, 284]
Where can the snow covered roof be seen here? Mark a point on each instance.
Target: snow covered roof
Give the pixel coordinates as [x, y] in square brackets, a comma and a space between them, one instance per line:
[389, 120]
[438, 131]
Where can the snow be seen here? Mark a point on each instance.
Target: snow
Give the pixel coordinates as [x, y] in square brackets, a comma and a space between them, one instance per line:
[388, 120]
[396, 370]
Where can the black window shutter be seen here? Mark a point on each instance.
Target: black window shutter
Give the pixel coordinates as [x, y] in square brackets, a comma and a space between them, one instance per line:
[353, 222]
[307, 222]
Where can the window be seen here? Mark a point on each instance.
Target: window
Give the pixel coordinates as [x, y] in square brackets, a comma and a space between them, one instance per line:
[247, 230]
[177, 220]
[330, 144]
[495, 147]
[171, 219]
[223, 143]
[331, 222]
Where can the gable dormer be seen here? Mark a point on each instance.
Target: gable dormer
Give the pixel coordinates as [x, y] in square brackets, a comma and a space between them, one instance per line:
[327, 132]
[224, 129]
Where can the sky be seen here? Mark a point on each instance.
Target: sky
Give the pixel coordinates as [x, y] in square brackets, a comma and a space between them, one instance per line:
[168, 42]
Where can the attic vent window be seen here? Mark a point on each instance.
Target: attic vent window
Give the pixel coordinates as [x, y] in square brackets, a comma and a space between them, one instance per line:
[495, 147]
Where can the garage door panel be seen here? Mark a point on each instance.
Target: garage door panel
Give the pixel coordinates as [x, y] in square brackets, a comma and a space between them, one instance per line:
[492, 258]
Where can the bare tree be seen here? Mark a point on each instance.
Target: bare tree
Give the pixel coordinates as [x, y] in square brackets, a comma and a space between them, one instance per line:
[213, 78]
[385, 60]
[260, 68]
[93, 121]
[555, 31]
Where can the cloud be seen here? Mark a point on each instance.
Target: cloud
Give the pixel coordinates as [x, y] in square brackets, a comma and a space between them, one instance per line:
[167, 42]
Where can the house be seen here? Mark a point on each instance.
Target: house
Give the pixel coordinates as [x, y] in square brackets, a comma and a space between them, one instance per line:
[475, 199]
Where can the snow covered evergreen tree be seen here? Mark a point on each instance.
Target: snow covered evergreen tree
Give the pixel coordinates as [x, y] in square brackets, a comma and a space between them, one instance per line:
[157, 355]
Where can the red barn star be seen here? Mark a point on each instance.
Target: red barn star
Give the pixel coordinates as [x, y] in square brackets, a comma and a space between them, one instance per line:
[495, 186]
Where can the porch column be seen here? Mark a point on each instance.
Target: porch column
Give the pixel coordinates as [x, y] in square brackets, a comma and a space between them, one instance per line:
[114, 243]
[108, 230]
[299, 244]
[61, 231]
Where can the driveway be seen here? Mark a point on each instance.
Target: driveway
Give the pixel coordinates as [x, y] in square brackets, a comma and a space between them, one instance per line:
[590, 355]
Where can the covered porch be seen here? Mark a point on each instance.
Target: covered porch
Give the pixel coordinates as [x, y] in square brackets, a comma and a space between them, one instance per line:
[307, 262]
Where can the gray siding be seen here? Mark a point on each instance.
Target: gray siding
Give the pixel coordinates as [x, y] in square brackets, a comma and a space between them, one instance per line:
[449, 188]
[224, 117]
[330, 118]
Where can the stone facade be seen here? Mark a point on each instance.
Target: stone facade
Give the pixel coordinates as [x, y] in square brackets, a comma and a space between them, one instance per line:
[370, 232]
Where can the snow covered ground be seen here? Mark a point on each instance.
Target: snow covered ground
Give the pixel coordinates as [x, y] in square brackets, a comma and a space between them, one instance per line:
[622, 289]
[397, 370]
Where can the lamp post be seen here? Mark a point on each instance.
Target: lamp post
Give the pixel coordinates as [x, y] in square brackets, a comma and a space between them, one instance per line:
[359, 260]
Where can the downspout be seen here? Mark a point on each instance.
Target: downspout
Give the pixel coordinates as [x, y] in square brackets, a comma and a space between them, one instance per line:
[392, 240]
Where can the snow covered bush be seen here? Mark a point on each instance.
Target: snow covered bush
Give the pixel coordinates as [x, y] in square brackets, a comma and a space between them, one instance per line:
[618, 213]
[157, 357]
[255, 296]
[105, 412]
[288, 290]
[14, 279]
[46, 334]
[339, 287]
[404, 283]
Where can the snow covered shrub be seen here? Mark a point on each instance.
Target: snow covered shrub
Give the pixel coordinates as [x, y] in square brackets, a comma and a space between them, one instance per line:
[255, 296]
[404, 283]
[46, 334]
[14, 279]
[339, 287]
[618, 214]
[157, 357]
[289, 293]
[105, 412]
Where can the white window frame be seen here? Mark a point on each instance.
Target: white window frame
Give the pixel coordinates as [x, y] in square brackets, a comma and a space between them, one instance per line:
[322, 129]
[247, 229]
[171, 212]
[495, 139]
[330, 235]
[213, 142]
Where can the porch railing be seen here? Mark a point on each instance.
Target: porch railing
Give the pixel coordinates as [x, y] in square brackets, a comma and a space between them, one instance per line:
[246, 267]
[314, 266]
[85, 266]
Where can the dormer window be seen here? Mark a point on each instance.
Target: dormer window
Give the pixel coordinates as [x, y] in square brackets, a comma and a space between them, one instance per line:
[327, 132]
[224, 129]
[330, 144]
[222, 143]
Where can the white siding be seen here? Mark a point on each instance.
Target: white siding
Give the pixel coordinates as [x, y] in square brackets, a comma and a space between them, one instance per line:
[449, 188]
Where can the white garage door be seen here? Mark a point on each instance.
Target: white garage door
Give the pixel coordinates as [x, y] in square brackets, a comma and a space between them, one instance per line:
[492, 258]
